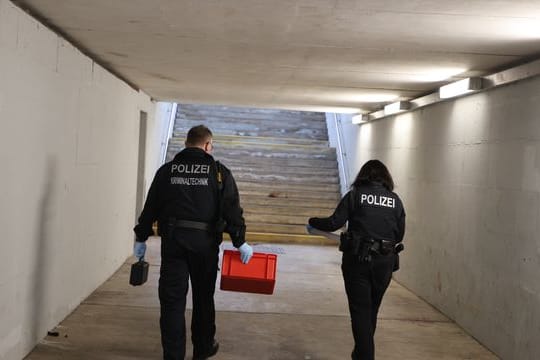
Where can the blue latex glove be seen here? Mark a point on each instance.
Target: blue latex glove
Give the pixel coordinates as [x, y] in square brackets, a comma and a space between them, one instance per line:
[139, 249]
[246, 252]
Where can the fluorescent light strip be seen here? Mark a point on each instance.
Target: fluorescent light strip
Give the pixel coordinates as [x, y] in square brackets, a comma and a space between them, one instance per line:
[360, 119]
[460, 87]
[396, 107]
[504, 77]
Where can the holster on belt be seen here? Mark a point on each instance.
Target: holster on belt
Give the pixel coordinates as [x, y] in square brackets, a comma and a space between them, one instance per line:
[353, 243]
[350, 242]
[385, 247]
[364, 247]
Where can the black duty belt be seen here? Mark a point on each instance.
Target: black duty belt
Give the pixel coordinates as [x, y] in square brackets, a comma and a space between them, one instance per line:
[354, 243]
[189, 224]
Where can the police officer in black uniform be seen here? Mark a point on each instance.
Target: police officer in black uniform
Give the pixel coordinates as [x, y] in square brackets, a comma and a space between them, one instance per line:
[194, 199]
[376, 226]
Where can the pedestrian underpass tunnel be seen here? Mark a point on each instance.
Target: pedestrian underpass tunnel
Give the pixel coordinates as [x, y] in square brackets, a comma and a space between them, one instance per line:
[95, 97]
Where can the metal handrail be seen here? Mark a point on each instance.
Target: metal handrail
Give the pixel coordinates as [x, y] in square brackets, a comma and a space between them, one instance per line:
[342, 154]
[165, 144]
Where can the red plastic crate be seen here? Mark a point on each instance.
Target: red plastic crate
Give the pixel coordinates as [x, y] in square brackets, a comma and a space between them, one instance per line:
[258, 276]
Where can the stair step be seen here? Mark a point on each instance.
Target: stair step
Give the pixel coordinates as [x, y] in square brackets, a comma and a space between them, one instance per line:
[285, 170]
[277, 162]
[276, 228]
[268, 153]
[276, 219]
[277, 238]
[297, 195]
[289, 211]
[261, 147]
[274, 188]
[243, 113]
[180, 137]
[287, 129]
[248, 121]
[270, 121]
[268, 161]
[317, 203]
[242, 110]
[286, 179]
[284, 190]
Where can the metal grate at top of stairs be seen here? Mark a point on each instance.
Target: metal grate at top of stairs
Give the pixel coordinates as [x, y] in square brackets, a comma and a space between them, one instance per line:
[281, 161]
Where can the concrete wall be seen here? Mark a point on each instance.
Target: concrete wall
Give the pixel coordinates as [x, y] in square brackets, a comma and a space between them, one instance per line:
[468, 171]
[68, 149]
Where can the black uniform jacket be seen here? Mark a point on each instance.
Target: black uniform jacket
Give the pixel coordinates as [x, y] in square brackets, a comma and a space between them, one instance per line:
[186, 188]
[371, 210]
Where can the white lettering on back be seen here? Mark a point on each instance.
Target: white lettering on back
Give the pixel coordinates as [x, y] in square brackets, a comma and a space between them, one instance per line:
[189, 181]
[378, 200]
[190, 169]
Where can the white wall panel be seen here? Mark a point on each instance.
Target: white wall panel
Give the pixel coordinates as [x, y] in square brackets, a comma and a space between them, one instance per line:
[68, 149]
[468, 171]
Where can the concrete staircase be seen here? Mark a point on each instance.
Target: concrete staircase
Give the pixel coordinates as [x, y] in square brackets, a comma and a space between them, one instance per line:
[281, 161]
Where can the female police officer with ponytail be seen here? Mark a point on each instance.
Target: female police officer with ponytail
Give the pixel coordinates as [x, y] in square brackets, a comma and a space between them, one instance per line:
[376, 224]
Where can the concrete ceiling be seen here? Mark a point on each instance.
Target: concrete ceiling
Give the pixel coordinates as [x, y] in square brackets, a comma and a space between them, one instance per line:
[322, 55]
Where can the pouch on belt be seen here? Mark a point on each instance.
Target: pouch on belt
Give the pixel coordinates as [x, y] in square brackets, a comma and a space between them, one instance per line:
[354, 243]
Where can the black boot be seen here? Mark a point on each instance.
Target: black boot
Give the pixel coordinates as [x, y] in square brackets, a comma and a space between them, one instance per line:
[209, 353]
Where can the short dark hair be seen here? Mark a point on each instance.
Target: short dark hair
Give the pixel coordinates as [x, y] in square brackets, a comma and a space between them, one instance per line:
[198, 135]
[374, 171]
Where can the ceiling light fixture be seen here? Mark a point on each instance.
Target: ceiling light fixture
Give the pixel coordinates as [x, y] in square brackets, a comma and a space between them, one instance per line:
[468, 85]
[360, 119]
[396, 107]
[460, 87]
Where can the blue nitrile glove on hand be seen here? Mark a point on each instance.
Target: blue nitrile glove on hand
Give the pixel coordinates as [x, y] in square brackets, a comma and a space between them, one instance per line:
[246, 252]
[139, 249]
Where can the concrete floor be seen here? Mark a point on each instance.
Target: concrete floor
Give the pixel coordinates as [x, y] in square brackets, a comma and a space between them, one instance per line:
[306, 318]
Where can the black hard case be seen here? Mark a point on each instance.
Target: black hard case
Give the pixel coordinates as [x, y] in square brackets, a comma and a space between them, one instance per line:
[139, 273]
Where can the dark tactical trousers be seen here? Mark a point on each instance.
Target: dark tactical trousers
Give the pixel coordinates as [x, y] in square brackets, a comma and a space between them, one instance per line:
[178, 264]
[365, 284]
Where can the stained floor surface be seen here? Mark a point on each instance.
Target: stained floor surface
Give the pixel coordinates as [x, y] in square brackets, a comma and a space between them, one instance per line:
[306, 318]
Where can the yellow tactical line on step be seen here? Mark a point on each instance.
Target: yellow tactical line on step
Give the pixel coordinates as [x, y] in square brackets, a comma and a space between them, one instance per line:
[285, 238]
